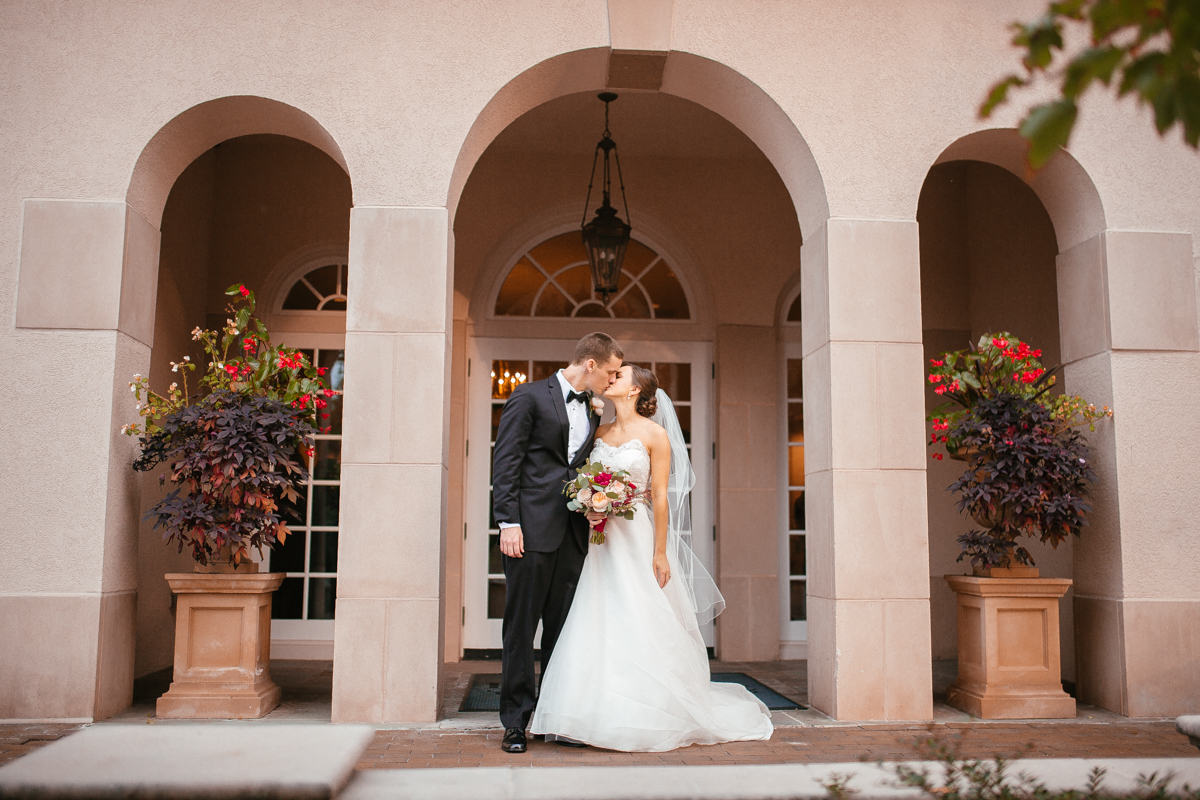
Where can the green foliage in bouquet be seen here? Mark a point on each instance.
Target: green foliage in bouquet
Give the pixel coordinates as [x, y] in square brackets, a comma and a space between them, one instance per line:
[602, 490]
[239, 446]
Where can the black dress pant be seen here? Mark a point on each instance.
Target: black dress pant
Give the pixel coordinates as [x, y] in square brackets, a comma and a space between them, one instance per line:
[540, 586]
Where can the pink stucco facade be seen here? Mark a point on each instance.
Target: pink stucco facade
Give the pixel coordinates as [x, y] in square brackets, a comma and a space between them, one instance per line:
[152, 154]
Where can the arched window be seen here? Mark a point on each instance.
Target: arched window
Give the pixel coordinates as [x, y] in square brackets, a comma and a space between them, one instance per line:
[319, 289]
[552, 280]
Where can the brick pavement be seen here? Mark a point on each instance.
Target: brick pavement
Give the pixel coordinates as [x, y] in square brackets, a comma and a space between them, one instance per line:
[17, 740]
[399, 749]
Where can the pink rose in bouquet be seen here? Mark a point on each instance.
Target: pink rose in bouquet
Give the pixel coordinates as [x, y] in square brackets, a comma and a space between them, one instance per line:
[597, 488]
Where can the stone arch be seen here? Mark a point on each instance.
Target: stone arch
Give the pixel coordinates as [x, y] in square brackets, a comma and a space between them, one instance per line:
[1023, 268]
[1063, 185]
[155, 282]
[196, 130]
[708, 83]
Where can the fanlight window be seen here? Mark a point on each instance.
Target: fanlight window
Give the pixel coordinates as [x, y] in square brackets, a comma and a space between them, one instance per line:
[552, 280]
[320, 289]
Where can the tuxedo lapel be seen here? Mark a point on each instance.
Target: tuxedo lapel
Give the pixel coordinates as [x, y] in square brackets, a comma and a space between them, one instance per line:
[560, 408]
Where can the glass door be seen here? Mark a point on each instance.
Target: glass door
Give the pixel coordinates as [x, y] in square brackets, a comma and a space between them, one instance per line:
[498, 366]
[302, 611]
[793, 571]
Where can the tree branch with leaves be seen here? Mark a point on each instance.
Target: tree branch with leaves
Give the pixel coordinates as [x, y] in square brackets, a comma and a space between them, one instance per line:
[1146, 48]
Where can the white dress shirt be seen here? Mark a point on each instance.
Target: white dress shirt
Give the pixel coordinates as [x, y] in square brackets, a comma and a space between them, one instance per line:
[577, 417]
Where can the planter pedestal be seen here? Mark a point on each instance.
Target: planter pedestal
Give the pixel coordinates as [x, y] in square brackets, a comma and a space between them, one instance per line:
[222, 647]
[1008, 649]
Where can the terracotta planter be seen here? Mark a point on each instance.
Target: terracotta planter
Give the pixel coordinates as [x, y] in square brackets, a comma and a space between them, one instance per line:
[1008, 648]
[222, 646]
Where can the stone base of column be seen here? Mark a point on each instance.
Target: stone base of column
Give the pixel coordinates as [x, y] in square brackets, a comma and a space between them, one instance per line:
[1008, 648]
[222, 647]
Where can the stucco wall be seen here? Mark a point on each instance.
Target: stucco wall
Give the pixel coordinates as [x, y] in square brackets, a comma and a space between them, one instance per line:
[876, 92]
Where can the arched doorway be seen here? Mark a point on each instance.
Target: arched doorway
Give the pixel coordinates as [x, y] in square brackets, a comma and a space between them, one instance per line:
[685, 168]
[238, 209]
[999, 251]
[550, 282]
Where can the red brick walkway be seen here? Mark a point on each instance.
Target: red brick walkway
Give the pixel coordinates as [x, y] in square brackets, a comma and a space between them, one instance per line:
[396, 749]
[17, 740]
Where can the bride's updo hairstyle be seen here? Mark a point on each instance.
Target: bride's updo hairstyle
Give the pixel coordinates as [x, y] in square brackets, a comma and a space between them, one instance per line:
[646, 381]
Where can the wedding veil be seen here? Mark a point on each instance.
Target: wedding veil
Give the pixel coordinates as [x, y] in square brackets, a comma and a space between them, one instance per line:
[702, 591]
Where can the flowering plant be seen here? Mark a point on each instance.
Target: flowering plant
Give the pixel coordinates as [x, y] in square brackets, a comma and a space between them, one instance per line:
[1027, 473]
[602, 490]
[239, 446]
[999, 364]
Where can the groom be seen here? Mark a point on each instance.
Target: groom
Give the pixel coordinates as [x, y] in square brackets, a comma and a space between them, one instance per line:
[546, 432]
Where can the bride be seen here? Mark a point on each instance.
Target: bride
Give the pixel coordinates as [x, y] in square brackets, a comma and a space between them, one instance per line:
[630, 670]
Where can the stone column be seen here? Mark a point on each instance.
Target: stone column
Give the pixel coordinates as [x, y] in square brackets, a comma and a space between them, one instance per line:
[748, 502]
[1128, 325]
[868, 559]
[388, 640]
[84, 325]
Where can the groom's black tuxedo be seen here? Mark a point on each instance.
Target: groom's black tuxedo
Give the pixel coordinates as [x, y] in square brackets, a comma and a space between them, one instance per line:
[529, 469]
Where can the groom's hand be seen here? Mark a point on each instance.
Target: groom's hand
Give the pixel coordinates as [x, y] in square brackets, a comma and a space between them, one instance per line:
[512, 543]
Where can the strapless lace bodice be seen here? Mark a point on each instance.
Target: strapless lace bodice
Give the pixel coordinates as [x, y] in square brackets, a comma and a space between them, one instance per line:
[632, 457]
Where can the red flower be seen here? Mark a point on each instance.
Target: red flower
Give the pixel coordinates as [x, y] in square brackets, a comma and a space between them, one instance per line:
[940, 390]
[938, 456]
[244, 291]
[330, 392]
[935, 362]
[935, 378]
[321, 403]
[1000, 343]
[231, 369]
[603, 479]
[304, 400]
[249, 345]
[322, 370]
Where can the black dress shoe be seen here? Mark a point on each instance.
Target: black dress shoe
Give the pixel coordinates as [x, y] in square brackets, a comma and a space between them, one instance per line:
[514, 741]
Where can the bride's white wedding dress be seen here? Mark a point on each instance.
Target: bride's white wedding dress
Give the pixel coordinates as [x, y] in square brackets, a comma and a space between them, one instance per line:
[628, 672]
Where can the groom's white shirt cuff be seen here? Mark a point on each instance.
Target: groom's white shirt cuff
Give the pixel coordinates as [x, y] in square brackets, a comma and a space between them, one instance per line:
[577, 415]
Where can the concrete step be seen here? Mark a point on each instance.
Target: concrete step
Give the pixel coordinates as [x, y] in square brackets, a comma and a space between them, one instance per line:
[764, 782]
[199, 760]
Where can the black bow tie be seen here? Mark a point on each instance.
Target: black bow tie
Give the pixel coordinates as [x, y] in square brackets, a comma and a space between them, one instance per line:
[580, 396]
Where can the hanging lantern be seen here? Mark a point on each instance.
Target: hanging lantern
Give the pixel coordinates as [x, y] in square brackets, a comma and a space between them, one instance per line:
[606, 236]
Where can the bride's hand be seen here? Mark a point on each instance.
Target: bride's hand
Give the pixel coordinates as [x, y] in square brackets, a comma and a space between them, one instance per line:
[662, 569]
[594, 517]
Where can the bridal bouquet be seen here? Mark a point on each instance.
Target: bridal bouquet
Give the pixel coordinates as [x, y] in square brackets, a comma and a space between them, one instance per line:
[607, 491]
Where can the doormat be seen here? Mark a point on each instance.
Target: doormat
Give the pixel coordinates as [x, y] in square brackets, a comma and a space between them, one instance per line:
[484, 692]
[771, 698]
